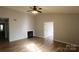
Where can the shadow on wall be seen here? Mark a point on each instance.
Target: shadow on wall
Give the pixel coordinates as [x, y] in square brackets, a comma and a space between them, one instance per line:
[49, 31]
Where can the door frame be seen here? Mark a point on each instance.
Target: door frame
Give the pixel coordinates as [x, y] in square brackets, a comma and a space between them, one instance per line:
[6, 21]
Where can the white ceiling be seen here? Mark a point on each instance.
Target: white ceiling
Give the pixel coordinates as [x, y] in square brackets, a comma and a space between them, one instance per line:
[49, 9]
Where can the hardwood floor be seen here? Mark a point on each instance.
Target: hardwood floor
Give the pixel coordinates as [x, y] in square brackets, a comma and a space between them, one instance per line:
[33, 45]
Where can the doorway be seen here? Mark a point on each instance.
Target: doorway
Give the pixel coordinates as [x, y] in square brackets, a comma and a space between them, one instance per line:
[49, 32]
[4, 29]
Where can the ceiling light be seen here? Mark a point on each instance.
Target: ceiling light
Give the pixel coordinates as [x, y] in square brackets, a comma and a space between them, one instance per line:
[35, 12]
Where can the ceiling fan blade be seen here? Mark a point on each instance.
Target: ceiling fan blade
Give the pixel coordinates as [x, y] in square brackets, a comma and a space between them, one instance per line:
[39, 8]
[39, 11]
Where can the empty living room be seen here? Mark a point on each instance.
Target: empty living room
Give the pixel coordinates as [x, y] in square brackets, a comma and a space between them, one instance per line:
[39, 28]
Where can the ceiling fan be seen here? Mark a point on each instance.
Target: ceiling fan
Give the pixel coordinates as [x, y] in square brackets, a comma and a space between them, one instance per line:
[35, 10]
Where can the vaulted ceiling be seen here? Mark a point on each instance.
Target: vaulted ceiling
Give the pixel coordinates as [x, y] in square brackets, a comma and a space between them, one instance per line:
[49, 9]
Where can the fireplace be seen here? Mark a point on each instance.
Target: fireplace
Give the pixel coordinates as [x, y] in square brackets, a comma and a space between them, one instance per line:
[30, 34]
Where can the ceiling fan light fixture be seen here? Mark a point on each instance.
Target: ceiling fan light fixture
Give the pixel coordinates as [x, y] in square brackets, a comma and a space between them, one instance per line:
[34, 12]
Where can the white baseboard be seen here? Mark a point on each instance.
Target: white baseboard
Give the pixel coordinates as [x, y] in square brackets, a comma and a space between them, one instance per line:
[66, 42]
[17, 39]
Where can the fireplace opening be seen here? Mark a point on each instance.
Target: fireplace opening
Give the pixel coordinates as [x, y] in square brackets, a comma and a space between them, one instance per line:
[30, 34]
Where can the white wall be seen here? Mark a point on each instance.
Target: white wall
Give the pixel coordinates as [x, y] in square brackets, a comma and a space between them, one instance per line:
[17, 29]
[66, 26]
